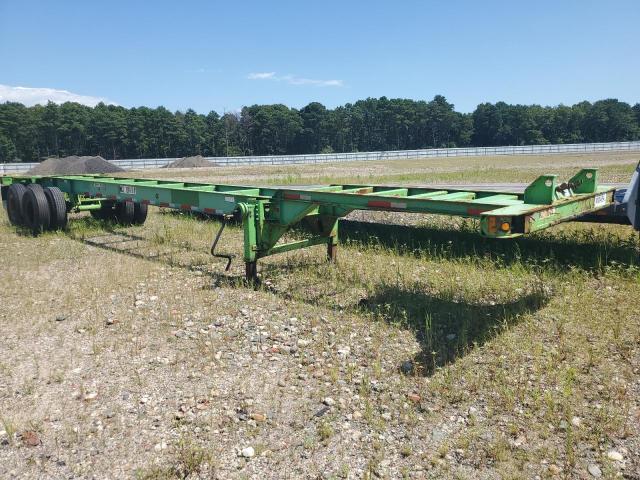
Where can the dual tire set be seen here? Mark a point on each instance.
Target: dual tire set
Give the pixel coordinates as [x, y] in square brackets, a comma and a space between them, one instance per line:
[124, 213]
[36, 208]
[40, 209]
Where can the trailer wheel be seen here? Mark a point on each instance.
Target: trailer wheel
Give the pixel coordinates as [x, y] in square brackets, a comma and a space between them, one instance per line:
[57, 207]
[35, 209]
[35, 186]
[125, 212]
[140, 211]
[15, 194]
[106, 211]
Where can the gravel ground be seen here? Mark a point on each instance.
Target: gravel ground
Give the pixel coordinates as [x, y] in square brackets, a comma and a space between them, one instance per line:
[191, 162]
[149, 363]
[115, 366]
[135, 373]
[74, 165]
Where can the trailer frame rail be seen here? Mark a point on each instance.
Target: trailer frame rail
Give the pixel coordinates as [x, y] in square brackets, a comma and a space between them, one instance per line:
[268, 213]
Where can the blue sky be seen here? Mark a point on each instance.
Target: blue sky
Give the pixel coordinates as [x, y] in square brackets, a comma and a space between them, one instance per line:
[211, 55]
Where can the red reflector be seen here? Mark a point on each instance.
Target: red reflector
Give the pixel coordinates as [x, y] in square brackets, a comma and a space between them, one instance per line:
[474, 211]
[378, 203]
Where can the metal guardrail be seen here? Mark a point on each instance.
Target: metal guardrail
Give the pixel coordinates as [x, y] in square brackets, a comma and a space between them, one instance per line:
[142, 163]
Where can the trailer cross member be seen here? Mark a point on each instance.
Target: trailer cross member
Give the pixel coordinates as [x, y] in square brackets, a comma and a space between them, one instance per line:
[268, 213]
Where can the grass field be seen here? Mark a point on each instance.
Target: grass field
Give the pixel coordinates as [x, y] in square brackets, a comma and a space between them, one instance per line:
[425, 352]
[615, 167]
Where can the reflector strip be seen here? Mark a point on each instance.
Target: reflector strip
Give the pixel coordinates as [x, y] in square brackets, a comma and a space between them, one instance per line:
[378, 203]
[383, 204]
[474, 211]
[297, 196]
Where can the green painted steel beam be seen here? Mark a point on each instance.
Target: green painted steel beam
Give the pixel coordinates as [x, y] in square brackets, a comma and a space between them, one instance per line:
[436, 193]
[268, 213]
[499, 200]
[287, 247]
[223, 199]
[391, 192]
[356, 190]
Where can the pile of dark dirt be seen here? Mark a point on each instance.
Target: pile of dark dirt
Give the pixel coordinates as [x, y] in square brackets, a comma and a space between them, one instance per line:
[191, 162]
[74, 165]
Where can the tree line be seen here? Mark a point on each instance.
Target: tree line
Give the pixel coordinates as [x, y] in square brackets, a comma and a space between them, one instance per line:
[29, 134]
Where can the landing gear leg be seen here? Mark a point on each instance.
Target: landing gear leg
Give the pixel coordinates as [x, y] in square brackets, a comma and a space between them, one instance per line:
[251, 271]
[332, 251]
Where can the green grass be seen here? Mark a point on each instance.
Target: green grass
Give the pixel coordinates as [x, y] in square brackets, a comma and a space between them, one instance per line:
[452, 288]
[613, 167]
[616, 174]
[188, 460]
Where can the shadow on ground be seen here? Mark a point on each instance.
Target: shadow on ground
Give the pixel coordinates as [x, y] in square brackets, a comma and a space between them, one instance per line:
[175, 254]
[447, 328]
[585, 249]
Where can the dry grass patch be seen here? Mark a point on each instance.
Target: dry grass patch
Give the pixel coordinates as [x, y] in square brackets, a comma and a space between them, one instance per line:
[425, 352]
[614, 167]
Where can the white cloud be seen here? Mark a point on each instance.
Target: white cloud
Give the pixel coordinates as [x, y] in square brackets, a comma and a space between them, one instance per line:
[33, 96]
[262, 76]
[293, 80]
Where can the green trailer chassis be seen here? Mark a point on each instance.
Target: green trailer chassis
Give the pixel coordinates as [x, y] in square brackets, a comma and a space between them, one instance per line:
[268, 213]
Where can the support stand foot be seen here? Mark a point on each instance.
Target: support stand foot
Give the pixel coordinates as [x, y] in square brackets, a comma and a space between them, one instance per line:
[251, 271]
[332, 252]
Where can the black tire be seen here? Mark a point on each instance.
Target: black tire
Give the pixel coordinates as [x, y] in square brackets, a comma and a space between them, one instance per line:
[35, 209]
[15, 194]
[106, 212]
[125, 212]
[57, 208]
[35, 186]
[140, 211]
